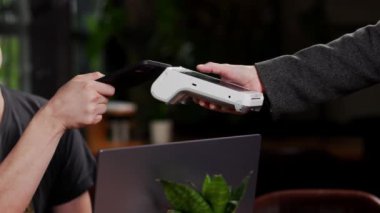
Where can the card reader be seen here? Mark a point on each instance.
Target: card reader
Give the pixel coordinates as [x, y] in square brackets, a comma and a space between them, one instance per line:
[177, 85]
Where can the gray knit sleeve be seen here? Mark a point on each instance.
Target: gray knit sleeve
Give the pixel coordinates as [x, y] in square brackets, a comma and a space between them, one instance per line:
[322, 72]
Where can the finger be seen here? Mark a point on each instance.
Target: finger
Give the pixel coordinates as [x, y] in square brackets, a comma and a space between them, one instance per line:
[205, 106]
[220, 108]
[207, 67]
[213, 107]
[97, 119]
[215, 68]
[101, 99]
[90, 76]
[104, 89]
[101, 109]
[202, 103]
[228, 110]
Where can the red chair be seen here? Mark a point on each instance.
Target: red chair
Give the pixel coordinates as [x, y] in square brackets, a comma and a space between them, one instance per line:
[317, 201]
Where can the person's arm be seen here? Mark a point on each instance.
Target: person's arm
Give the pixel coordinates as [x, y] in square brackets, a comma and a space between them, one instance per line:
[80, 204]
[322, 72]
[81, 101]
[314, 75]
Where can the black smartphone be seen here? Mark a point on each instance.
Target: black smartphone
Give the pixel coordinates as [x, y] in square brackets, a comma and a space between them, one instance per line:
[135, 75]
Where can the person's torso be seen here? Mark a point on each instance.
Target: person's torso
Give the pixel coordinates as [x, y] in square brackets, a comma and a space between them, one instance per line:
[19, 109]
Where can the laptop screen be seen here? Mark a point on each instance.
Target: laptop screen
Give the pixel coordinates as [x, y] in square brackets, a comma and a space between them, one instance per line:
[127, 177]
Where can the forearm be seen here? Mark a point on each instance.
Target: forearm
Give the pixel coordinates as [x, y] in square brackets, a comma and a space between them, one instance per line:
[322, 72]
[80, 204]
[22, 170]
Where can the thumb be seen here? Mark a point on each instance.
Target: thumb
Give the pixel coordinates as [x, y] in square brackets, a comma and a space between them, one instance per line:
[215, 68]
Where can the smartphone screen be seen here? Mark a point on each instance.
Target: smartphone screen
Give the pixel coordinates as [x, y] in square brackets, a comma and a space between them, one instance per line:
[140, 73]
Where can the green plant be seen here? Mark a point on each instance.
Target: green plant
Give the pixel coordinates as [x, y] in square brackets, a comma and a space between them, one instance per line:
[10, 66]
[110, 23]
[216, 195]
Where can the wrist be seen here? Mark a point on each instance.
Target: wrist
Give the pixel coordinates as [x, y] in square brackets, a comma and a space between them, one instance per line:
[256, 82]
[49, 118]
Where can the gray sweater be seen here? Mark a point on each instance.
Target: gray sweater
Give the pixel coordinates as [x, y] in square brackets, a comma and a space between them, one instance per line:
[322, 72]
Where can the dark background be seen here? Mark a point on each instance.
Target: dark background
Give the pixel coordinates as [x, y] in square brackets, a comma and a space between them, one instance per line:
[333, 145]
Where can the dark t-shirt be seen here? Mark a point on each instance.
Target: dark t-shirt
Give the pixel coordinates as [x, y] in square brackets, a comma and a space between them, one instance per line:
[72, 168]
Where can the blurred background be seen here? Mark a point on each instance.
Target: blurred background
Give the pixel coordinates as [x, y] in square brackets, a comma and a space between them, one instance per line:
[44, 43]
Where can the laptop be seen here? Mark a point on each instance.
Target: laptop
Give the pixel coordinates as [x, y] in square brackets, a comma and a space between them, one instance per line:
[127, 177]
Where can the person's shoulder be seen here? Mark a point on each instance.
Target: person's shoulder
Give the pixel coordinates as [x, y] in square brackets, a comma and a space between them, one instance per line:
[23, 99]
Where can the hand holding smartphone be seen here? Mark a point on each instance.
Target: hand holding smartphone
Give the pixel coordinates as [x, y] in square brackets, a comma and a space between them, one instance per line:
[131, 76]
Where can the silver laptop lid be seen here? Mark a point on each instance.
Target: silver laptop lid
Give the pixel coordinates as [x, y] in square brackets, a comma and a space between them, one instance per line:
[126, 179]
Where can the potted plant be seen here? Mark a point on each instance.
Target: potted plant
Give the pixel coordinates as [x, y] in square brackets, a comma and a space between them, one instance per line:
[216, 196]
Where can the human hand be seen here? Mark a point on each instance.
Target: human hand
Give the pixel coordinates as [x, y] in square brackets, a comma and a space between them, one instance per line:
[80, 102]
[243, 75]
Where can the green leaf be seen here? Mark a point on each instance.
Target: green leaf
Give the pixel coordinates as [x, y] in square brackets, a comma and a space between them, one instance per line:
[184, 198]
[217, 192]
[231, 206]
[237, 194]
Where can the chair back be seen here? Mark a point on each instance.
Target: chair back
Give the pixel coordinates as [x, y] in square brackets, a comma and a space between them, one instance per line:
[317, 201]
